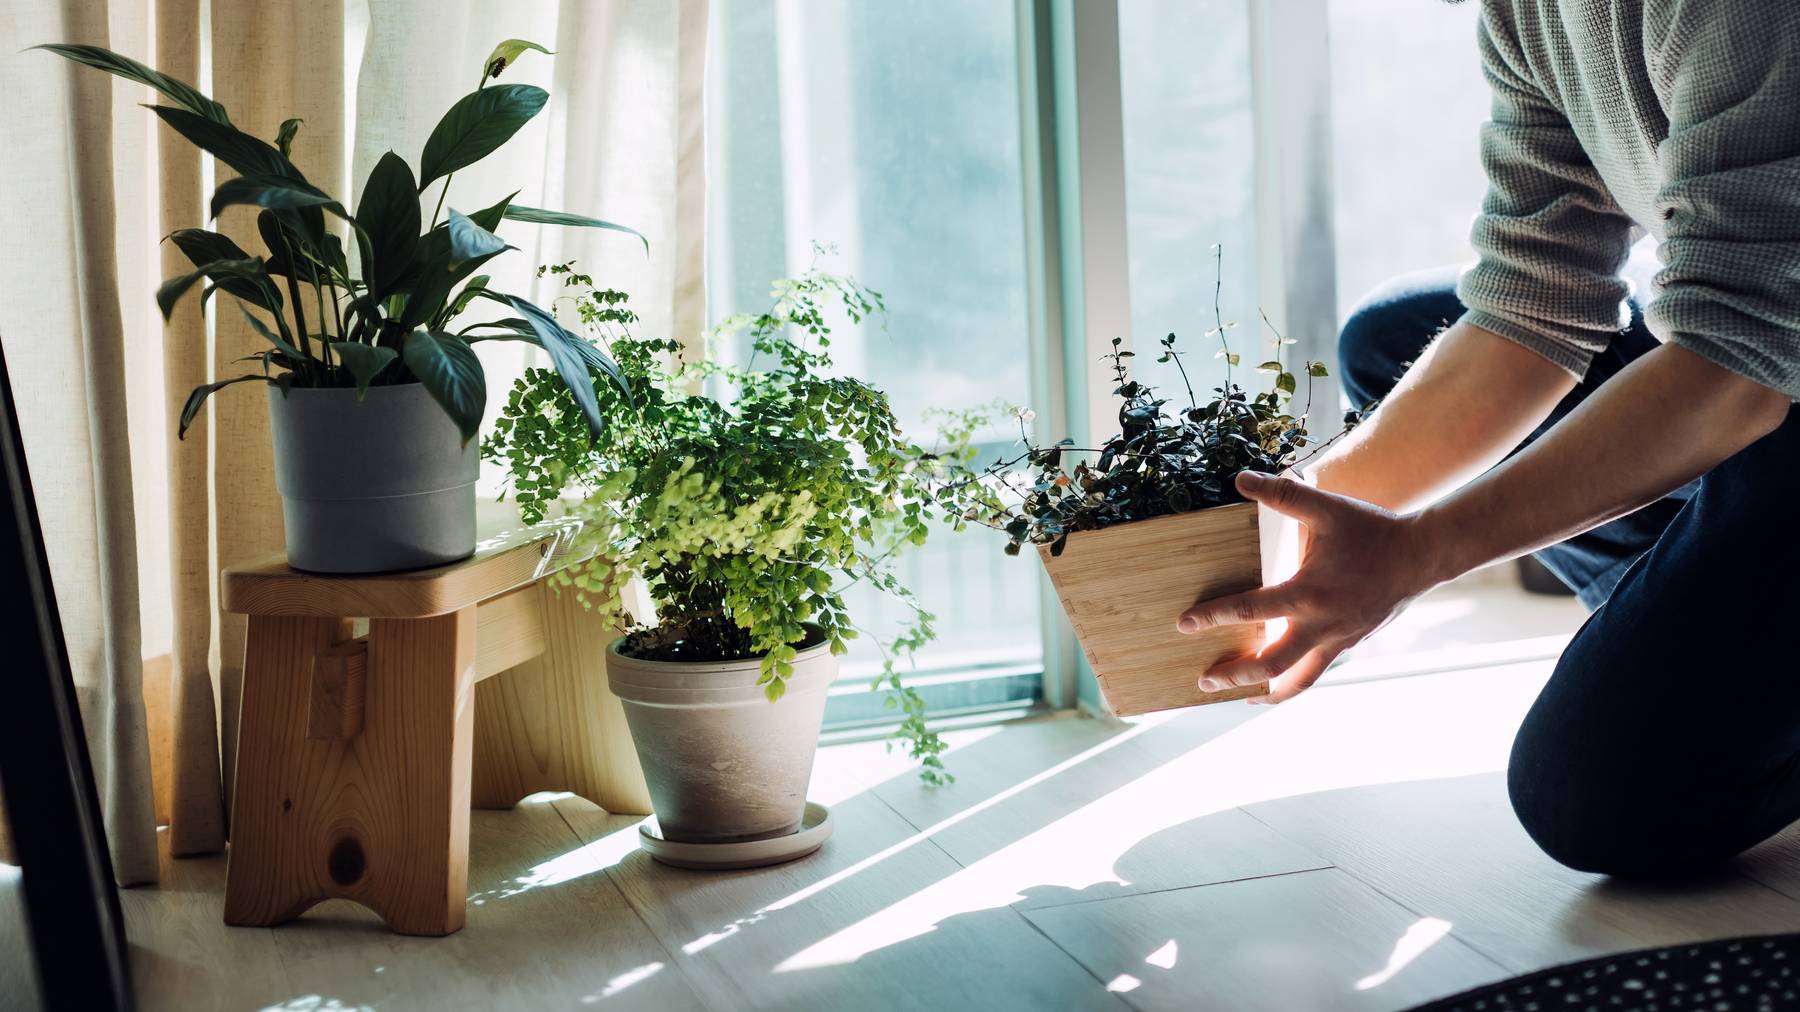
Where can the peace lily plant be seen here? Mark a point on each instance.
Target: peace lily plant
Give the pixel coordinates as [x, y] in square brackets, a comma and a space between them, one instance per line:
[376, 393]
[389, 317]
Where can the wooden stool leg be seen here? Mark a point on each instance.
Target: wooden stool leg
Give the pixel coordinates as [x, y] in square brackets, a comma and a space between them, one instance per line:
[380, 814]
[269, 878]
[551, 723]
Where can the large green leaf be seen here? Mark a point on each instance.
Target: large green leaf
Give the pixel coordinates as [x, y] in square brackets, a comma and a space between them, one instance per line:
[304, 230]
[389, 214]
[364, 361]
[249, 271]
[571, 363]
[538, 215]
[277, 193]
[491, 216]
[469, 240]
[451, 374]
[433, 250]
[332, 256]
[514, 328]
[245, 154]
[199, 394]
[293, 354]
[202, 247]
[477, 286]
[478, 123]
[435, 272]
[182, 94]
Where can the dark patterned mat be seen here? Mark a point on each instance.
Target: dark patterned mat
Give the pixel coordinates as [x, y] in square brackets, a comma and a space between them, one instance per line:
[1754, 974]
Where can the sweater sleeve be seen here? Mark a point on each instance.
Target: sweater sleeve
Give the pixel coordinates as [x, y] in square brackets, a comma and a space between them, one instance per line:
[1728, 74]
[1551, 238]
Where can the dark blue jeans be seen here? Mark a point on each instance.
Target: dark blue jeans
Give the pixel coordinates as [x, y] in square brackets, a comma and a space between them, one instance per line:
[1668, 737]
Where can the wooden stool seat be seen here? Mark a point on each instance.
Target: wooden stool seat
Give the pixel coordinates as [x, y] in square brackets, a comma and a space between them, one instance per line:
[359, 756]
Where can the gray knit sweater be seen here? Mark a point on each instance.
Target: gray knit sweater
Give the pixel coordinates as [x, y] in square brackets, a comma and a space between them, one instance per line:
[1681, 117]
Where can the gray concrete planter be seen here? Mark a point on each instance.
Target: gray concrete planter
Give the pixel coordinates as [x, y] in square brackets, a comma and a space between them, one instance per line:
[372, 485]
[724, 765]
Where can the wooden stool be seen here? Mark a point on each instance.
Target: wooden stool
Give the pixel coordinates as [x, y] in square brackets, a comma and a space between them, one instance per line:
[356, 753]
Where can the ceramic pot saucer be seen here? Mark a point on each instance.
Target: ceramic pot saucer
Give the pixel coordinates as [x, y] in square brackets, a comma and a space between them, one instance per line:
[815, 827]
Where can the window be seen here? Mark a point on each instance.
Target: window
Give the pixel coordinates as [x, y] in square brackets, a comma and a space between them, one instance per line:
[1184, 84]
[1408, 101]
[892, 132]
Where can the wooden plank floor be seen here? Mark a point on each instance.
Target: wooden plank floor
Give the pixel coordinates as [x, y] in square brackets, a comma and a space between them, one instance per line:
[1350, 850]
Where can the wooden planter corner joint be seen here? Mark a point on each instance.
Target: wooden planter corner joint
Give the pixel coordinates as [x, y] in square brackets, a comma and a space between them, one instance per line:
[1123, 587]
[359, 756]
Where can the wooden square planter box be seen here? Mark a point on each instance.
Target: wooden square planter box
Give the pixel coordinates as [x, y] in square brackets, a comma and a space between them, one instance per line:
[1124, 586]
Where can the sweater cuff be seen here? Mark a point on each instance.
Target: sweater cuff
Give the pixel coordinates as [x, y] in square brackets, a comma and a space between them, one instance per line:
[1570, 358]
[1742, 361]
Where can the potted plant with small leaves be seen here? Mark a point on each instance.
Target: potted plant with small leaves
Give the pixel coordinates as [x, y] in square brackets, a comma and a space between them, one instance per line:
[1151, 521]
[746, 500]
[375, 393]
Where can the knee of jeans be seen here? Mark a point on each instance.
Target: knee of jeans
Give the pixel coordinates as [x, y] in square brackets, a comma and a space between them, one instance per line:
[1585, 814]
[1386, 331]
[1571, 832]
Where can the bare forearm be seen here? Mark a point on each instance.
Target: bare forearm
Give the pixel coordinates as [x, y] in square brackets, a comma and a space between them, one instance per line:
[1667, 419]
[1469, 400]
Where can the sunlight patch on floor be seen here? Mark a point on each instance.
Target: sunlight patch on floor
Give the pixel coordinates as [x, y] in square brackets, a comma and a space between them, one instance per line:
[1141, 725]
[1124, 983]
[878, 760]
[623, 981]
[584, 860]
[1424, 933]
[1144, 724]
[313, 1003]
[1353, 736]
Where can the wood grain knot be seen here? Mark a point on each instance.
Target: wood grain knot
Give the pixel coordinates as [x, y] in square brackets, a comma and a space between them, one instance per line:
[346, 863]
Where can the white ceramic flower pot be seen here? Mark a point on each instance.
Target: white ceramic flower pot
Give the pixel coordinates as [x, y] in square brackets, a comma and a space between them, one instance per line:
[723, 764]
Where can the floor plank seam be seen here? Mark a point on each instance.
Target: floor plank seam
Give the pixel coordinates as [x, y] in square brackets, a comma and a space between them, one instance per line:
[1121, 999]
[918, 830]
[281, 962]
[1770, 886]
[1183, 888]
[1016, 910]
[1499, 964]
[611, 873]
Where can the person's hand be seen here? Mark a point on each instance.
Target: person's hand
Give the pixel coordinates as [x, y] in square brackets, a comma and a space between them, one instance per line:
[1361, 566]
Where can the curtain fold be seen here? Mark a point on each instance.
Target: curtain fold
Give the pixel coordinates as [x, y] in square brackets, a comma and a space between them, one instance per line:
[137, 523]
[195, 813]
[270, 62]
[66, 344]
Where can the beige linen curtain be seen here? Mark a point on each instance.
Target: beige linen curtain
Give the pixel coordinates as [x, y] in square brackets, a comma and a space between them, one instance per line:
[137, 524]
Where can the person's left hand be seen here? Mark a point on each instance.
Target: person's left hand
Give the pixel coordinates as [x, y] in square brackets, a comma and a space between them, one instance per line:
[1361, 566]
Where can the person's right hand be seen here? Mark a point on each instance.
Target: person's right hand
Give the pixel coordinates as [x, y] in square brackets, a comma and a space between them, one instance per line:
[1362, 565]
